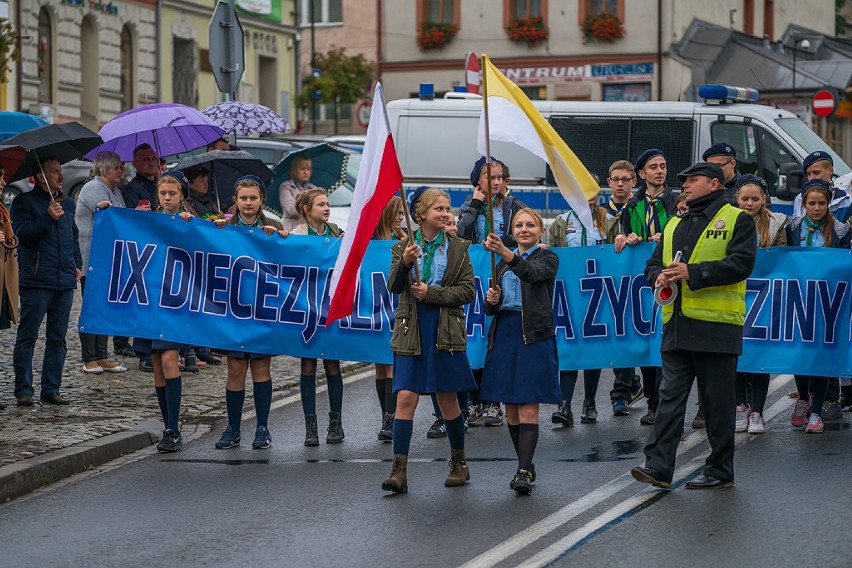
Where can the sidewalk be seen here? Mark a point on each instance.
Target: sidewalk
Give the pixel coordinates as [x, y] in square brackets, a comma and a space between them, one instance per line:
[110, 414]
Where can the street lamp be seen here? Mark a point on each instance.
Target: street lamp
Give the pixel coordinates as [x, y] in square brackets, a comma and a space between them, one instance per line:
[805, 44]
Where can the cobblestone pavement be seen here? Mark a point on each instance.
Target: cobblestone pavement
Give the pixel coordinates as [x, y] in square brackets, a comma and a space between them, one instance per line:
[110, 402]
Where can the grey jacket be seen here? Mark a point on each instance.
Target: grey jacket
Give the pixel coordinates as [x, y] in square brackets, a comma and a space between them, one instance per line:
[287, 192]
[93, 193]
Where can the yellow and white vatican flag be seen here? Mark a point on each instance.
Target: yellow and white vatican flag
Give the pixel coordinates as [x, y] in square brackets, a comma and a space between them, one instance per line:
[509, 116]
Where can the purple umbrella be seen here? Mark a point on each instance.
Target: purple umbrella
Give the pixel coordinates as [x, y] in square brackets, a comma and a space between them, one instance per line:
[169, 128]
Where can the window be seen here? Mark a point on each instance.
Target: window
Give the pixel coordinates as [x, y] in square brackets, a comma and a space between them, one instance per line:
[438, 11]
[748, 17]
[758, 151]
[45, 57]
[629, 92]
[769, 18]
[527, 8]
[90, 94]
[324, 12]
[185, 72]
[128, 68]
[598, 7]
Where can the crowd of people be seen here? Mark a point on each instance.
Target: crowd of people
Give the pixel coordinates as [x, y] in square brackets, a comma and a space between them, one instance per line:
[47, 239]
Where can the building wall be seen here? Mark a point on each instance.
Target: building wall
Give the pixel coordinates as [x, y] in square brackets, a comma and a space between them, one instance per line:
[68, 64]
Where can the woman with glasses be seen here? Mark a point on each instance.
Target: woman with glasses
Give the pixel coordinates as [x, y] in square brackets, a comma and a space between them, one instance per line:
[96, 195]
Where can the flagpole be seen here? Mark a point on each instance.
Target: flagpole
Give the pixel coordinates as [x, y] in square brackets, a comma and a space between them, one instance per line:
[410, 230]
[488, 196]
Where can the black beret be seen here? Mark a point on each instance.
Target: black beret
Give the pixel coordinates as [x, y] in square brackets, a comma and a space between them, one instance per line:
[647, 155]
[703, 169]
[814, 157]
[719, 149]
[746, 179]
[477, 168]
[817, 183]
[418, 193]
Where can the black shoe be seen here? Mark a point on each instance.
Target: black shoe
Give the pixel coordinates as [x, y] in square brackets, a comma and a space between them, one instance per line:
[335, 429]
[650, 475]
[55, 398]
[209, 359]
[126, 351]
[171, 442]
[146, 365]
[522, 482]
[590, 412]
[386, 431]
[563, 415]
[311, 434]
[707, 482]
[438, 429]
[636, 396]
[24, 399]
[230, 439]
[698, 421]
[648, 419]
[262, 438]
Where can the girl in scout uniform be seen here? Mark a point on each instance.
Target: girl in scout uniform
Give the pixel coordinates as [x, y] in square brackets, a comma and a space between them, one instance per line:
[314, 208]
[567, 231]
[429, 337]
[522, 364]
[817, 228]
[249, 195]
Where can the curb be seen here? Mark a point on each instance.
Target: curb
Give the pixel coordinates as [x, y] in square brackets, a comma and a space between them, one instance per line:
[27, 475]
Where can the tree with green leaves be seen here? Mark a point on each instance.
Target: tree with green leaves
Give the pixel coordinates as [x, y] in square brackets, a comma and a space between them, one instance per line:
[8, 47]
[342, 80]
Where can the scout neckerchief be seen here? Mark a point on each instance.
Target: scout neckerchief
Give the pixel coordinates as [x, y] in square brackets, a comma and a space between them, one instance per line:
[258, 222]
[485, 207]
[429, 250]
[583, 233]
[178, 212]
[326, 232]
[812, 228]
[616, 209]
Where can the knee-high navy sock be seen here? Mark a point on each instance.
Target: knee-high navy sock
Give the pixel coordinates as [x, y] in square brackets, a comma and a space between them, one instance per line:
[234, 401]
[380, 392]
[335, 392]
[174, 388]
[455, 432]
[390, 397]
[514, 432]
[567, 382]
[161, 400]
[402, 435]
[308, 390]
[262, 401]
[527, 441]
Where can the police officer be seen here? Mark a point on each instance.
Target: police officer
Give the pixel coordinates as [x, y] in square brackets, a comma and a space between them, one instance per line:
[724, 156]
[703, 328]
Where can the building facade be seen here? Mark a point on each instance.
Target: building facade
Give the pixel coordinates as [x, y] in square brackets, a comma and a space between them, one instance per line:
[583, 55]
[269, 42]
[83, 60]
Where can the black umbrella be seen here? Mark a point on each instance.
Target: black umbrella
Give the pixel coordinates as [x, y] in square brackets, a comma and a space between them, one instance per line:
[225, 167]
[62, 142]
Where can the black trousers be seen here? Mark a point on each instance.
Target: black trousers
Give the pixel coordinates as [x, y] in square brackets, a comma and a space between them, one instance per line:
[651, 378]
[716, 373]
[624, 385]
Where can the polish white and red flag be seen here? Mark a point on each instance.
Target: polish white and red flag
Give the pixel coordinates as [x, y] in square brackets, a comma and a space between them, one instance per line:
[379, 179]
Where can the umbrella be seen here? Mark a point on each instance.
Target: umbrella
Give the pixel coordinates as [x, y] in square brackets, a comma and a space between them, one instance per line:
[225, 168]
[328, 169]
[12, 123]
[63, 142]
[169, 128]
[244, 119]
[11, 158]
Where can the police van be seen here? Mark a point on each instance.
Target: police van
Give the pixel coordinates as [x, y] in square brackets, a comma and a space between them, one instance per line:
[436, 141]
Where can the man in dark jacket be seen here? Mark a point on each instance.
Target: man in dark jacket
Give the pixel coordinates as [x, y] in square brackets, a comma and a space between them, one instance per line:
[141, 191]
[703, 328]
[724, 156]
[50, 266]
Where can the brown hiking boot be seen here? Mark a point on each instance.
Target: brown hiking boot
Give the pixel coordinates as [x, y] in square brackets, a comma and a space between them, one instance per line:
[398, 479]
[459, 473]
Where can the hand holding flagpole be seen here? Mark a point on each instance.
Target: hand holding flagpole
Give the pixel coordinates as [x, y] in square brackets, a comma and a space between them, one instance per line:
[408, 224]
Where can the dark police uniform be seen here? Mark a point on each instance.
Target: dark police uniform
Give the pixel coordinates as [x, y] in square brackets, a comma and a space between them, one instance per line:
[702, 330]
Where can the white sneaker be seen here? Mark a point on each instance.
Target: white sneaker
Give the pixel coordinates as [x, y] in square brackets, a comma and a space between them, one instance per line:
[742, 418]
[756, 424]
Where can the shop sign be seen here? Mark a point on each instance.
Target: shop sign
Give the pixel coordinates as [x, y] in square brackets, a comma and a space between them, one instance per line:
[592, 72]
[96, 5]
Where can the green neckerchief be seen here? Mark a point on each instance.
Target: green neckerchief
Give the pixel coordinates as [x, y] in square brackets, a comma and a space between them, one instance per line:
[179, 211]
[258, 222]
[429, 250]
[584, 237]
[325, 233]
[638, 218]
[812, 228]
[485, 207]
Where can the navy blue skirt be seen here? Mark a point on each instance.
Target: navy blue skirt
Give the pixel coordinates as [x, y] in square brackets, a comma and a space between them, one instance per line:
[433, 370]
[242, 354]
[148, 346]
[516, 373]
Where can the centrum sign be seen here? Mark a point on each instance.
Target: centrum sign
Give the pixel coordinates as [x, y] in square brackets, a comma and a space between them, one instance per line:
[564, 73]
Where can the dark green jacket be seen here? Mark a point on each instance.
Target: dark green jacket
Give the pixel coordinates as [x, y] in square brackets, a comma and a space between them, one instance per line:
[455, 291]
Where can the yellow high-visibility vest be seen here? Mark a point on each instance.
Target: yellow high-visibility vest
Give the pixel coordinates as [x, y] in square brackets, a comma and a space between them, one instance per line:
[721, 304]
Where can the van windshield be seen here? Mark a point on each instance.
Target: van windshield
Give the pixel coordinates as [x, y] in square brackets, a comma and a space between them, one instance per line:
[810, 142]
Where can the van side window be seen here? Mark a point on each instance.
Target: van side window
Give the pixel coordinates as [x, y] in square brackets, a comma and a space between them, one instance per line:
[758, 151]
[600, 140]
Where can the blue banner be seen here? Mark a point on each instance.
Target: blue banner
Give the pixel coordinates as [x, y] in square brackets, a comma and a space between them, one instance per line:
[157, 276]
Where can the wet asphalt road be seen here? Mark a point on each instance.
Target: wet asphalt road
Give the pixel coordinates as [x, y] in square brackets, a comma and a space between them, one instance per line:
[297, 506]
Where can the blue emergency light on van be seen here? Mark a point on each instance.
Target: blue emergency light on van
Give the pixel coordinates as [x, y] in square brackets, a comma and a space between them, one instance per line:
[427, 91]
[718, 94]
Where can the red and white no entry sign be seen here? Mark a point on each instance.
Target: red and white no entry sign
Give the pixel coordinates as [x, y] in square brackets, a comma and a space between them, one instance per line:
[471, 72]
[825, 102]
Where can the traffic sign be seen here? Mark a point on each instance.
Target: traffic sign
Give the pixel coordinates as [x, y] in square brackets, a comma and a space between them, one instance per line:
[362, 113]
[471, 72]
[227, 56]
[825, 102]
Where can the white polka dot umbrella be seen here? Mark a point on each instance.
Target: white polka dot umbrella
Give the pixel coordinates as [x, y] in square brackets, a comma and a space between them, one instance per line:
[244, 119]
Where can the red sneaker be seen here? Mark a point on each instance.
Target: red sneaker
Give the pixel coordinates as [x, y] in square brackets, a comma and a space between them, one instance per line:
[800, 409]
[815, 425]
